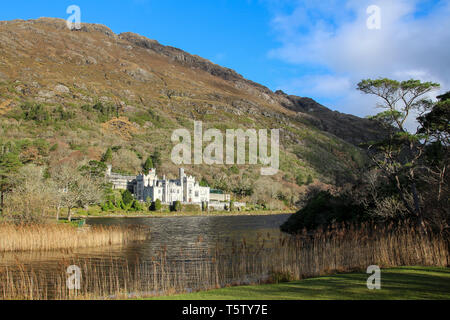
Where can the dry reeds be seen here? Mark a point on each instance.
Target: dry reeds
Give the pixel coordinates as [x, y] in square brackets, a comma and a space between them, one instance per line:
[45, 237]
[338, 249]
[343, 249]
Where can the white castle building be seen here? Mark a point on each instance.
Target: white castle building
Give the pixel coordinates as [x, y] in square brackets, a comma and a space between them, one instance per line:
[149, 187]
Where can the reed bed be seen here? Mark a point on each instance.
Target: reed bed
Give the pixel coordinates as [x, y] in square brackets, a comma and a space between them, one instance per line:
[338, 249]
[46, 237]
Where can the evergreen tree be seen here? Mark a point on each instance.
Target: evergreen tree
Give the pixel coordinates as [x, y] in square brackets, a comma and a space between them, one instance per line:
[232, 207]
[148, 164]
[127, 197]
[156, 159]
[107, 157]
[204, 182]
[94, 169]
[9, 165]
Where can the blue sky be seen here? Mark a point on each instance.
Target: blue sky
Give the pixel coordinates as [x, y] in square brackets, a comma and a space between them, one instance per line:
[319, 49]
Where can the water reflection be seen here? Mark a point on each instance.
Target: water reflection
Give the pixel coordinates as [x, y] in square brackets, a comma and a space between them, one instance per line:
[180, 237]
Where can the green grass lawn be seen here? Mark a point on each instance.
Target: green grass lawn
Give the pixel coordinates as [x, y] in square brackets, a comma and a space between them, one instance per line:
[407, 283]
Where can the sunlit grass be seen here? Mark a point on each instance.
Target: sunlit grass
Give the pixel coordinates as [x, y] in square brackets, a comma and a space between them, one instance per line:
[405, 283]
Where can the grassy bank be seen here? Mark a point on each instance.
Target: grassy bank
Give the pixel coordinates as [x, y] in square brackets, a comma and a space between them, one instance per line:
[54, 236]
[408, 283]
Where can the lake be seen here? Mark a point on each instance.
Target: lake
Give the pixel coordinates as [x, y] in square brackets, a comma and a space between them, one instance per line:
[186, 244]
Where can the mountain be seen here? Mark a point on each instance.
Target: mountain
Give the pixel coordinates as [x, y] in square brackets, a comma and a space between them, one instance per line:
[81, 92]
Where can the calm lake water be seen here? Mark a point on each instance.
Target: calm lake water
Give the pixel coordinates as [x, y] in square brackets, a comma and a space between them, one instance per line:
[191, 234]
[183, 239]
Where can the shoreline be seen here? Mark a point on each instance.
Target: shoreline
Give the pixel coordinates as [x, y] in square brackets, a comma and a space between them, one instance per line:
[180, 215]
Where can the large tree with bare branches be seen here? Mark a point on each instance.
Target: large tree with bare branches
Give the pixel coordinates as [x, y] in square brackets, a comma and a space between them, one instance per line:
[75, 190]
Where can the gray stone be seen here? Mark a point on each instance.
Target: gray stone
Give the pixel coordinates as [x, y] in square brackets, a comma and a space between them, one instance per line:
[62, 89]
[46, 94]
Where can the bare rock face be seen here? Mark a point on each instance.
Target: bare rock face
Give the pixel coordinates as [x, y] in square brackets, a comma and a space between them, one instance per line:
[180, 56]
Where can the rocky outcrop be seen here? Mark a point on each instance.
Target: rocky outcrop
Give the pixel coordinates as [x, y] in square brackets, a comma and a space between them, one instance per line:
[180, 56]
[345, 126]
[137, 69]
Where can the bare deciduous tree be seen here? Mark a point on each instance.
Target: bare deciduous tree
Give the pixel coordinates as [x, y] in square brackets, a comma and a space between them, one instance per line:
[73, 189]
[32, 198]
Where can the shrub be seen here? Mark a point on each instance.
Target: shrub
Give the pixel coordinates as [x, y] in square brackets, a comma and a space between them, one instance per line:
[233, 170]
[137, 206]
[280, 277]
[204, 182]
[42, 114]
[127, 197]
[156, 205]
[104, 207]
[299, 180]
[122, 205]
[191, 208]
[104, 112]
[176, 206]
[111, 205]
[35, 112]
[324, 209]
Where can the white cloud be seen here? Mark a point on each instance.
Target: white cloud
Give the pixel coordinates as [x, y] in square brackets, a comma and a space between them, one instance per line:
[335, 37]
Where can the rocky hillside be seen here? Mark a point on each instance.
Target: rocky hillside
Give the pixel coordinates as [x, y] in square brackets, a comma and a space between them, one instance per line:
[80, 92]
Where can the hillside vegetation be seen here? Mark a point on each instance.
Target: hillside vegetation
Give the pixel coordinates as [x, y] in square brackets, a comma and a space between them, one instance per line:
[70, 95]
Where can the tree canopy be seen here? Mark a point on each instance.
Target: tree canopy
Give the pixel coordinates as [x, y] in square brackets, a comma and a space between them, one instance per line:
[400, 98]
